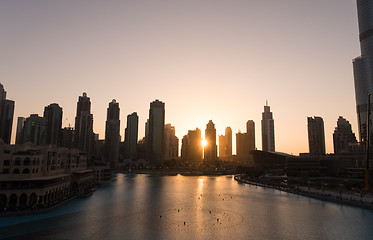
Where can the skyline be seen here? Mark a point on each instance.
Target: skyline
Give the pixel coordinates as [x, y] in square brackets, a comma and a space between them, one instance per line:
[223, 49]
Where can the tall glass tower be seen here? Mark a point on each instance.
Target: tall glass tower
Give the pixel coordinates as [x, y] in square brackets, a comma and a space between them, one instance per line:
[268, 130]
[363, 65]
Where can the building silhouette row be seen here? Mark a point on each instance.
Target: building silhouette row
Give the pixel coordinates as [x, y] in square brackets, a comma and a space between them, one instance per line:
[159, 144]
[344, 140]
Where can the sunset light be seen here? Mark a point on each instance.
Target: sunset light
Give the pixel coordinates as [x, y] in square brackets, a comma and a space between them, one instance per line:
[204, 143]
[186, 119]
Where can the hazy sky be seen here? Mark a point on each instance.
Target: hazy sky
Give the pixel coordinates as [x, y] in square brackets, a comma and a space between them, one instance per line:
[205, 59]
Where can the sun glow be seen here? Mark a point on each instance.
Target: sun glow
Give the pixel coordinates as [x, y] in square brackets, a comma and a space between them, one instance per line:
[204, 142]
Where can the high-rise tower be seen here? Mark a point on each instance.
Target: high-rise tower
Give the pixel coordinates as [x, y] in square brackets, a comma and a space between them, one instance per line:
[250, 132]
[19, 131]
[316, 135]
[191, 149]
[131, 135]
[83, 134]
[268, 130]
[210, 150]
[53, 115]
[363, 65]
[225, 144]
[171, 143]
[343, 137]
[156, 131]
[35, 130]
[112, 137]
[6, 116]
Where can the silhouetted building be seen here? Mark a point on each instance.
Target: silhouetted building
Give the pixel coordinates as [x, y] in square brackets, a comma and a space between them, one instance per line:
[112, 137]
[53, 115]
[343, 137]
[83, 134]
[242, 150]
[363, 66]
[171, 143]
[210, 150]
[141, 149]
[155, 135]
[268, 130]
[35, 130]
[20, 124]
[250, 131]
[245, 142]
[99, 151]
[67, 137]
[316, 135]
[191, 149]
[6, 116]
[225, 144]
[131, 135]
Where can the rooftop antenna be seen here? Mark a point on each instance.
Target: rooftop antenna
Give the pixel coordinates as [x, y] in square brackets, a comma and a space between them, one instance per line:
[267, 103]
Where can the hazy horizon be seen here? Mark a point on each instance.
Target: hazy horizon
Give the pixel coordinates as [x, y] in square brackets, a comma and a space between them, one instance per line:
[218, 60]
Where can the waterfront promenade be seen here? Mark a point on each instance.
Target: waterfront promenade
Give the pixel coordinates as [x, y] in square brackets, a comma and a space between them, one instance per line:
[364, 200]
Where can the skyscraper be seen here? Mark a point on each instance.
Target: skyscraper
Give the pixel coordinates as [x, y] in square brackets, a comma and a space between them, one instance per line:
[191, 149]
[363, 66]
[112, 134]
[268, 130]
[245, 142]
[343, 137]
[316, 135]
[156, 132]
[6, 116]
[131, 135]
[241, 145]
[67, 137]
[210, 150]
[19, 133]
[53, 115]
[83, 133]
[35, 130]
[250, 132]
[225, 144]
[171, 143]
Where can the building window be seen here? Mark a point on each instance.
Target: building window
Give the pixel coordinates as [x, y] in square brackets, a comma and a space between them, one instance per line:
[6, 171]
[17, 162]
[16, 171]
[6, 162]
[26, 161]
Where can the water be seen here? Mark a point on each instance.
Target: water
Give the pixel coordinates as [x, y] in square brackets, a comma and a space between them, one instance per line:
[180, 207]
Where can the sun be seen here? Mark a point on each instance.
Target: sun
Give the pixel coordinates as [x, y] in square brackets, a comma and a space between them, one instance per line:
[204, 142]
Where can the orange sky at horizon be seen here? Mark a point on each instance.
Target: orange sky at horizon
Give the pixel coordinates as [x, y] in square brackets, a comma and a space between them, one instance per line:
[206, 60]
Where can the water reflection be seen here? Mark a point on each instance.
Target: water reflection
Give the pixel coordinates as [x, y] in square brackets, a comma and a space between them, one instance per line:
[179, 207]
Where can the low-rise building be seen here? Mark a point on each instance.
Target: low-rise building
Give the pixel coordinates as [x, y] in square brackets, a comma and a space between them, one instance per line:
[33, 177]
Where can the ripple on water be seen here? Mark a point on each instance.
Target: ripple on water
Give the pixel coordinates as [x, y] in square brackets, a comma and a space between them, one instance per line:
[190, 219]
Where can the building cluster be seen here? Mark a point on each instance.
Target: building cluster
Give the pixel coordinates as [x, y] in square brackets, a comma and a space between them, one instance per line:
[195, 155]
[159, 145]
[36, 177]
[344, 140]
[245, 142]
